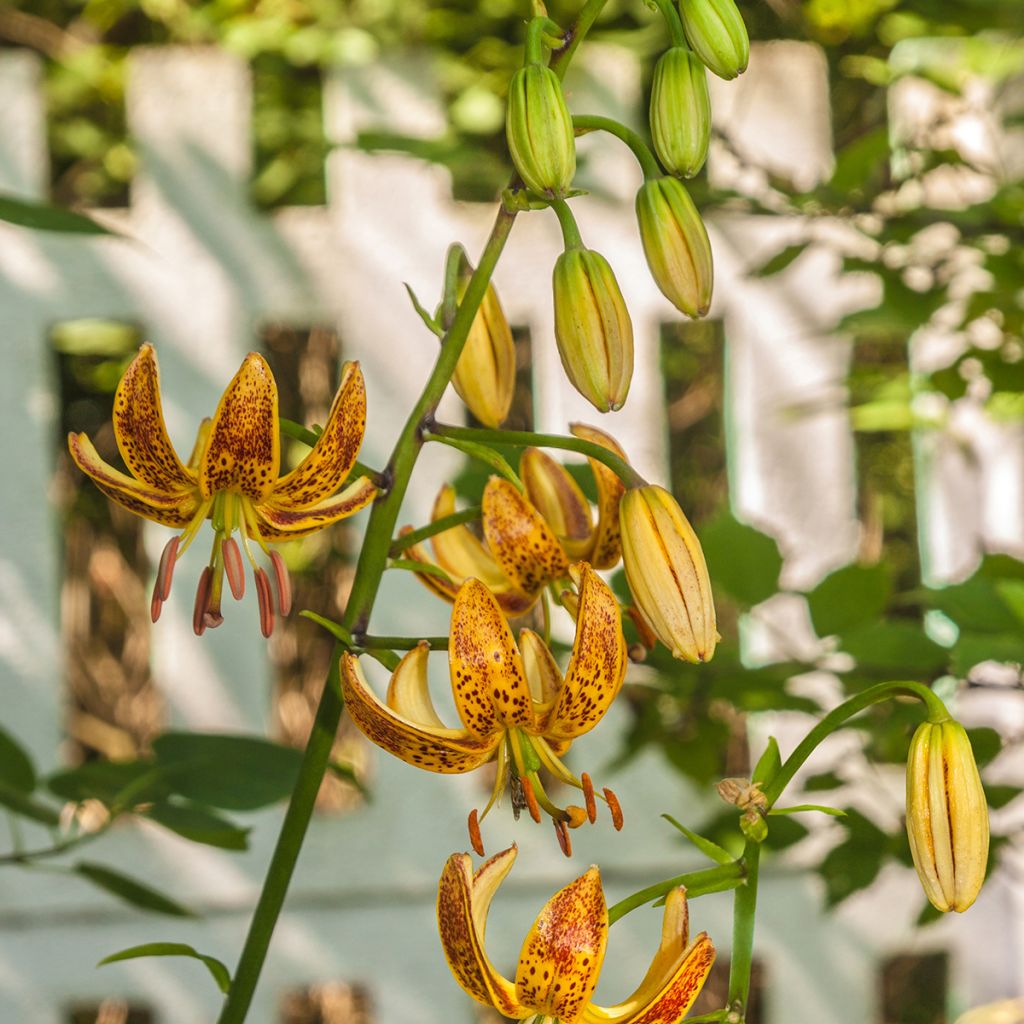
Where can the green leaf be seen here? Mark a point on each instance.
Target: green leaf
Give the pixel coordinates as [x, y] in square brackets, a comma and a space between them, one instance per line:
[986, 744]
[833, 812]
[709, 848]
[848, 597]
[220, 973]
[894, 648]
[200, 825]
[928, 915]
[16, 768]
[233, 773]
[431, 324]
[824, 781]
[1000, 796]
[973, 648]
[107, 781]
[742, 561]
[780, 260]
[129, 890]
[976, 604]
[42, 217]
[482, 453]
[769, 763]
[19, 802]
[347, 773]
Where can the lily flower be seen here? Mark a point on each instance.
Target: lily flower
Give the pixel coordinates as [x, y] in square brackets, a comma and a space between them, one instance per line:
[231, 479]
[529, 540]
[515, 706]
[563, 953]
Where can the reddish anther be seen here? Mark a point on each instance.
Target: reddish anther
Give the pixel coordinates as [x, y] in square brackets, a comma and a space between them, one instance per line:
[155, 606]
[531, 800]
[562, 831]
[615, 807]
[283, 581]
[165, 571]
[475, 838]
[233, 567]
[199, 622]
[266, 603]
[588, 796]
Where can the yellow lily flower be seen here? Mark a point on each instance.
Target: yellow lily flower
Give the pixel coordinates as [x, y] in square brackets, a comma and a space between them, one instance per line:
[563, 953]
[515, 706]
[231, 479]
[529, 541]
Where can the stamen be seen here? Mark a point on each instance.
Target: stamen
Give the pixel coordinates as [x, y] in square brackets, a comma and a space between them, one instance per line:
[283, 581]
[588, 796]
[500, 778]
[202, 597]
[474, 833]
[550, 760]
[191, 531]
[615, 807]
[531, 800]
[234, 568]
[577, 815]
[266, 603]
[155, 606]
[544, 800]
[165, 572]
[562, 831]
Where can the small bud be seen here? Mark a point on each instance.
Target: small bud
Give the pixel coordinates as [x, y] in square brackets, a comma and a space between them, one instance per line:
[715, 30]
[593, 328]
[753, 825]
[947, 815]
[539, 130]
[680, 112]
[676, 245]
[667, 574]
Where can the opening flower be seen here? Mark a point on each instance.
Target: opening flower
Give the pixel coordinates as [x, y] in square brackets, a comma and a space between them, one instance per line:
[515, 706]
[563, 953]
[231, 479]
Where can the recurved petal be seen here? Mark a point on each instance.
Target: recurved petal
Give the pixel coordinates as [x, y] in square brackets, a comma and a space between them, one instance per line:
[446, 751]
[244, 449]
[459, 551]
[557, 497]
[409, 689]
[542, 674]
[287, 523]
[325, 467]
[598, 663]
[488, 678]
[162, 507]
[522, 543]
[607, 543]
[462, 904]
[561, 958]
[140, 430]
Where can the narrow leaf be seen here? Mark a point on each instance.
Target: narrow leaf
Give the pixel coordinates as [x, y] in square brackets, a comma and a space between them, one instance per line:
[16, 768]
[432, 325]
[220, 973]
[129, 890]
[42, 217]
[483, 454]
[768, 764]
[200, 825]
[20, 803]
[706, 846]
[780, 260]
[835, 812]
[347, 773]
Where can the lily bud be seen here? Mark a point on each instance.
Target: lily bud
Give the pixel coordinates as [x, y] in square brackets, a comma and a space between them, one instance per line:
[485, 375]
[593, 328]
[947, 815]
[715, 30]
[539, 130]
[676, 245]
[667, 574]
[680, 112]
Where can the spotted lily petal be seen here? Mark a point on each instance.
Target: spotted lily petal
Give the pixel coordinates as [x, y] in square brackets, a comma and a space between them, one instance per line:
[140, 430]
[168, 509]
[488, 677]
[598, 664]
[607, 545]
[522, 543]
[244, 449]
[557, 497]
[325, 467]
[409, 689]
[542, 674]
[286, 524]
[463, 900]
[446, 751]
[561, 958]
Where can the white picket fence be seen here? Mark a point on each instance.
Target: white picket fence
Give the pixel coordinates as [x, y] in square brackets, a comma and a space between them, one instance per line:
[201, 274]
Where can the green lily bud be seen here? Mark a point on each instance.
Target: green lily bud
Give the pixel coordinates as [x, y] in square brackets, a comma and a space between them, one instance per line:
[676, 244]
[539, 131]
[680, 112]
[592, 328]
[715, 30]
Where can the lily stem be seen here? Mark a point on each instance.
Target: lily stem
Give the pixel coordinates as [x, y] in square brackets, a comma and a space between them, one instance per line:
[697, 883]
[401, 643]
[744, 914]
[413, 537]
[584, 123]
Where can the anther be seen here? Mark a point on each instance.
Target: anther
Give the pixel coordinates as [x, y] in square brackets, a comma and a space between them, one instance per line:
[588, 796]
[266, 603]
[474, 833]
[165, 571]
[283, 581]
[615, 807]
[233, 567]
[562, 831]
[202, 599]
[531, 800]
[577, 815]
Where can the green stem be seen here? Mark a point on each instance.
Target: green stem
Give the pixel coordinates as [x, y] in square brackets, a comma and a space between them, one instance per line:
[413, 537]
[697, 883]
[674, 22]
[529, 439]
[584, 123]
[567, 222]
[450, 296]
[744, 914]
[537, 29]
[401, 643]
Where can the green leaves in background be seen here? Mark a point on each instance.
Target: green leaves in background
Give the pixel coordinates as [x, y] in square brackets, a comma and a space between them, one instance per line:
[16, 768]
[129, 890]
[194, 822]
[42, 217]
[848, 597]
[221, 975]
[742, 561]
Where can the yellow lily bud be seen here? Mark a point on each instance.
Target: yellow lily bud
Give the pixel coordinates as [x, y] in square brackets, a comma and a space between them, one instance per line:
[592, 328]
[680, 112]
[485, 376]
[947, 815]
[667, 573]
[715, 30]
[676, 245]
[538, 127]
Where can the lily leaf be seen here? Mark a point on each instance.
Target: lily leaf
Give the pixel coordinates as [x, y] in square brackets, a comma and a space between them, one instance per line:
[220, 973]
[19, 802]
[16, 768]
[43, 217]
[768, 764]
[706, 846]
[432, 325]
[199, 825]
[129, 890]
[835, 812]
[483, 454]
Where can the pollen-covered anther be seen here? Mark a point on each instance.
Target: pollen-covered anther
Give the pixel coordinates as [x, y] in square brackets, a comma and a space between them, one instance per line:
[475, 838]
[531, 800]
[202, 601]
[233, 567]
[283, 582]
[588, 795]
[637, 653]
[562, 832]
[577, 815]
[266, 602]
[164, 575]
[615, 807]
